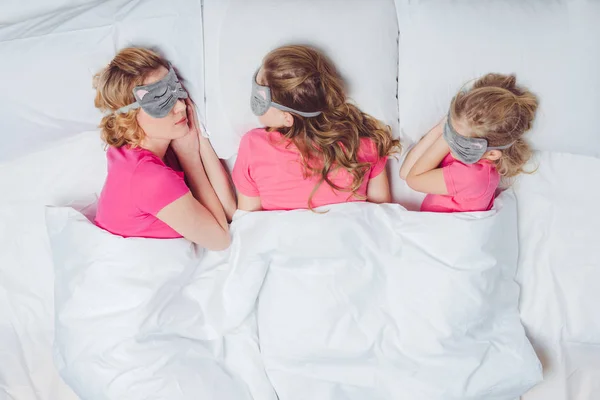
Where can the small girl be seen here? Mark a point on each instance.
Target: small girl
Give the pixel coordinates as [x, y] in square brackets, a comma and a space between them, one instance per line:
[316, 147]
[459, 162]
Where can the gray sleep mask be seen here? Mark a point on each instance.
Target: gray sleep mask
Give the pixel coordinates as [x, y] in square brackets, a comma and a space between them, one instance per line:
[260, 101]
[158, 98]
[468, 150]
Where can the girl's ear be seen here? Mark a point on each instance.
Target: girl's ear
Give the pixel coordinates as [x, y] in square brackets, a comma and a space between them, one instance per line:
[288, 119]
[492, 155]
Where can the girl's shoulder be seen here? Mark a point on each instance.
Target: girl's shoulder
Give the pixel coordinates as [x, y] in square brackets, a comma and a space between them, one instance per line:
[260, 136]
[368, 150]
[256, 132]
[261, 142]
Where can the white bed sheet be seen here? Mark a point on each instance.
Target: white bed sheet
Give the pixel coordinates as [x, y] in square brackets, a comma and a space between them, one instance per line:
[559, 272]
[559, 290]
[365, 302]
[69, 173]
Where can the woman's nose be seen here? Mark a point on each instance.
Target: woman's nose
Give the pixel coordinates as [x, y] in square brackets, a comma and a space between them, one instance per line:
[179, 106]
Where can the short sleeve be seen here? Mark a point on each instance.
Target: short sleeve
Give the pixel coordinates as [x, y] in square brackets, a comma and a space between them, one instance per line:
[378, 167]
[370, 155]
[466, 181]
[155, 185]
[242, 173]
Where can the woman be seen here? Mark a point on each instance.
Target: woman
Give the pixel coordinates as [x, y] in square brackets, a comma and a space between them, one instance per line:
[164, 179]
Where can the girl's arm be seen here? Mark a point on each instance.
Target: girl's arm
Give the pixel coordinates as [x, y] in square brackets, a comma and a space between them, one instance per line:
[218, 177]
[425, 176]
[378, 189]
[215, 171]
[420, 148]
[247, 203]
[198, 216]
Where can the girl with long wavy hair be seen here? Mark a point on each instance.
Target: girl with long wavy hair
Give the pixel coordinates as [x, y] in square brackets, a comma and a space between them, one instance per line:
[316, 148]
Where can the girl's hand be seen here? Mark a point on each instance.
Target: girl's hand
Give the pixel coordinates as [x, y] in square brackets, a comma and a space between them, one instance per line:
[426, 176]
[421, 148]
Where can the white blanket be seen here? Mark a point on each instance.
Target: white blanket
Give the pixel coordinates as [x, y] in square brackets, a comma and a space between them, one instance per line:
[362, 302]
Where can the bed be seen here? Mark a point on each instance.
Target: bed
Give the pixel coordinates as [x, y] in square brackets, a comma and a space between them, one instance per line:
[266, 319]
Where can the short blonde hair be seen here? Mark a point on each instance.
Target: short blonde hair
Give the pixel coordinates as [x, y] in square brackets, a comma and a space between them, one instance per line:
[499, 110]
[114, 89]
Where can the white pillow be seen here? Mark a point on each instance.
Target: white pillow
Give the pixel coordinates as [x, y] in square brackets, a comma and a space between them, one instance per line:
[50, 61]
[552, 46]
[359, 36]
[12, 11]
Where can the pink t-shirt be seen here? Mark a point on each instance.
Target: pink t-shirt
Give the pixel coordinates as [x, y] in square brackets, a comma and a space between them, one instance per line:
[266, 168]
[470, 187]
[139, 184]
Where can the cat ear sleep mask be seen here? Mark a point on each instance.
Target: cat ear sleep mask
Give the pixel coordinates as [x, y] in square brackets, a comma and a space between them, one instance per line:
[468, 150]
[157, 99]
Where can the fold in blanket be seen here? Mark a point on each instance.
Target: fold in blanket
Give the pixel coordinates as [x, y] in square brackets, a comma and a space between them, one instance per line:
[362, 302]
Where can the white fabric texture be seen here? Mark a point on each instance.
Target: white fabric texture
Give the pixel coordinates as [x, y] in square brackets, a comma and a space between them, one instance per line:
[365, 301]
[70, 173]
[53, 58]
[559, 273]
[59, 44]
[12, 11]
[128, 325]
[359, 36]
[551, 45]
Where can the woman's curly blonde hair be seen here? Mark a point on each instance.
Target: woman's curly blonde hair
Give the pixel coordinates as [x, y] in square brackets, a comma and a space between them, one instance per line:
[302, 78]
[500, 111]
[114, 89]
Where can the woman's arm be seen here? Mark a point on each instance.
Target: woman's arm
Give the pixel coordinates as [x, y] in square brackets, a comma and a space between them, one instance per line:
[215, 171]
[420, 148]
[194, 222]
[200, 185]
[425, 176]
[198, 216]
[378, 189]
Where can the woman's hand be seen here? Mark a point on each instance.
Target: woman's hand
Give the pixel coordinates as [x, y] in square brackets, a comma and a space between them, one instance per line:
[189, 144]
[215, 171]
[193, 118]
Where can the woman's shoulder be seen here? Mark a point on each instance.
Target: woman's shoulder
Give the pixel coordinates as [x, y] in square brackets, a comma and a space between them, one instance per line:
[130, 158]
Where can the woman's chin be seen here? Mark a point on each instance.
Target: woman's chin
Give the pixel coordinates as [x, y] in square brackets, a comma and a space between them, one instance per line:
[180, 132]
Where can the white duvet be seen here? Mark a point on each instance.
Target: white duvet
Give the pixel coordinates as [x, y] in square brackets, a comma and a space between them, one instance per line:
[361, 302]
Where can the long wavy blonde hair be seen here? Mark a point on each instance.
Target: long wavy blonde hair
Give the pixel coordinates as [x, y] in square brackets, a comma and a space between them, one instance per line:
[500, 111]
[302, 78]
[114, 89]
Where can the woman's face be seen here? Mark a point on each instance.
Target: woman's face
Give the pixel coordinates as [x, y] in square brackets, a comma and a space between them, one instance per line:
[172, 126]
